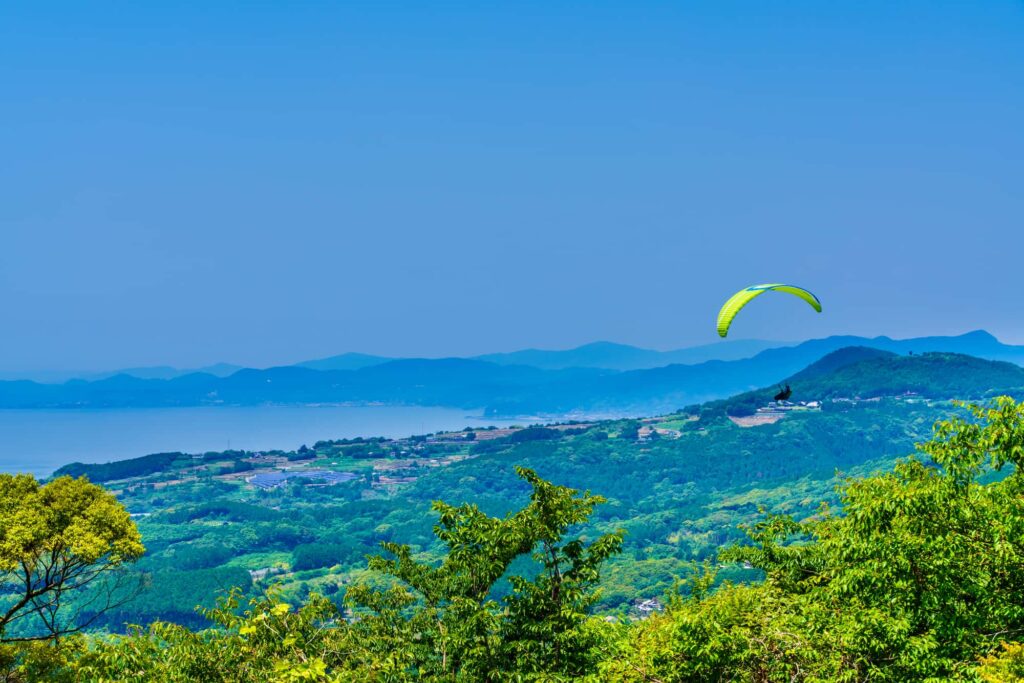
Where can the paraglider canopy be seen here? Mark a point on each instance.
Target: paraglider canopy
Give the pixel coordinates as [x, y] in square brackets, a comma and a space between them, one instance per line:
[741, 298]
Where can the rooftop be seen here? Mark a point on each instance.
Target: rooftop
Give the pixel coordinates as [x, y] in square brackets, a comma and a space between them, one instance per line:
[269, 480]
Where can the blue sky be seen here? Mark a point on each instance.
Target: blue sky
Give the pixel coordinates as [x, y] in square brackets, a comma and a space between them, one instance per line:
[262, 183]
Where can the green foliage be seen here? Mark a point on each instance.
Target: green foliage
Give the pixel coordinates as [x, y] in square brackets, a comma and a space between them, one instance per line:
[679, 500]
[222, 509]
[937, 375]
[268, 641]
[121, 469]
[456, 630]
[175, 600]
[438, 624]
[56, 540]
[317, 555]
[920, 577]
[629, 430]
[1006, 666]
[739, 633]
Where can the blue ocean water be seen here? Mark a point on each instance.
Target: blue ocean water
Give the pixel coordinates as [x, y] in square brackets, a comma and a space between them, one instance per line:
[40, 441]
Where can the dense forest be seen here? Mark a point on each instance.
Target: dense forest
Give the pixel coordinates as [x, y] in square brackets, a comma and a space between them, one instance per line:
[693, 546]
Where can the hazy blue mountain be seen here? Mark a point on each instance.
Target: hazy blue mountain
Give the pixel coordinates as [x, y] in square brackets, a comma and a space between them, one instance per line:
[471, 383]
[344, 361]
[165, 372]
[772, 366]
[600, 355]
[43, 376]
[447, 382]
[669, 387]
[612, 356]
[978, 343]
[144, 372]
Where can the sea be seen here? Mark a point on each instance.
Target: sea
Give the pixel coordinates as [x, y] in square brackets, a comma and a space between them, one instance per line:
[40, 441]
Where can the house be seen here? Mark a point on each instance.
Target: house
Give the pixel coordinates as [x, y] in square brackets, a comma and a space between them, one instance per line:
[647, 607]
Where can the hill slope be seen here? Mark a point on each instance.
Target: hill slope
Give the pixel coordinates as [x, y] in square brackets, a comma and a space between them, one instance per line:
[679, 496]
[859, 372]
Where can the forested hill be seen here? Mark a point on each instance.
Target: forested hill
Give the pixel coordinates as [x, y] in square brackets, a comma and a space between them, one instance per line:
[935, 375]
[865, 373]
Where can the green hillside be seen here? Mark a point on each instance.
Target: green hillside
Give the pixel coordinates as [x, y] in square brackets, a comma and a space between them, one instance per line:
[679, 493]
[910, 584]
[934, 375]
[675, 492]
[679, 500]
[864, 373]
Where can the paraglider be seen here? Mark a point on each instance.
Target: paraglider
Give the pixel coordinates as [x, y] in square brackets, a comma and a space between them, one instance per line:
[743, 297]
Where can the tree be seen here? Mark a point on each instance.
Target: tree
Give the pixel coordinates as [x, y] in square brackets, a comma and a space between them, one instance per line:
[630, 430]
[544, 629]
[456, 629]
[62, 546]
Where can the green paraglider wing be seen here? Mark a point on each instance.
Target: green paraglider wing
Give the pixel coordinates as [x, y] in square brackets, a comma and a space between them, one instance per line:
[743, 297]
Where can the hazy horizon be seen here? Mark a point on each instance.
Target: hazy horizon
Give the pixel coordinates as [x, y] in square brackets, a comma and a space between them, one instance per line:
[32, 373]
[292, 361]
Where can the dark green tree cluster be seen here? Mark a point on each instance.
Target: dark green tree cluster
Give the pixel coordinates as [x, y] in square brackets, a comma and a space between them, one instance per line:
[121, 469]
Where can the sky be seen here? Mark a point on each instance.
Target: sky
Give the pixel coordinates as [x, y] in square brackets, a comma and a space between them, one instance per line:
[262, 183]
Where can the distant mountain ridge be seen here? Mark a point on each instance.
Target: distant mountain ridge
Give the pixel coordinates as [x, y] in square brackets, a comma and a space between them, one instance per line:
[143, 372]
[166, 372]
[612, 356]
[345, 361]
[665, 388]
[601, 355]
[501, 388]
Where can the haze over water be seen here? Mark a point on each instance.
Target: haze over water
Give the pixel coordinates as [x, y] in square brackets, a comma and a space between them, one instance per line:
[40, 441]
